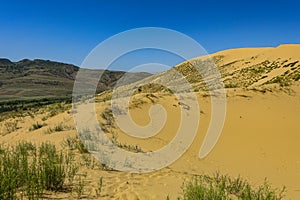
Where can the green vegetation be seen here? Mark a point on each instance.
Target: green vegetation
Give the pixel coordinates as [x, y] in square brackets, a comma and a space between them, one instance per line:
[80, 186]
[15, 105]
[281, 80]
[74, 143]
[27, 170]
[104, 96]
[11, 126]
[36, 126]
[152, 88]
[294, 75]
[109, 119]
[57, 128]
[13, 109]
[99, 187]
[230, 85]
[222, 187]
[132, 148]
[57, 108]
[292, 64]
[107, 115]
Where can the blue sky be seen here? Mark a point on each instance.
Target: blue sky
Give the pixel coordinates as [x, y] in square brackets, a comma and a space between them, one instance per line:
[68, 30]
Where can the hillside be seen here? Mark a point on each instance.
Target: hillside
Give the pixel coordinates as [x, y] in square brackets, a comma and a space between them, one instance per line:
[34, 79]
[255, 67]
[259, 140]
[247, 68]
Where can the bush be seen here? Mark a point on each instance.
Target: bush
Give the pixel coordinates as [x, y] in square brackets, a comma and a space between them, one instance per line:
[74, 143]
[32, 170]
[223, 187]
[281, 80]
[11, 126]
[36, 126]
[57, 128]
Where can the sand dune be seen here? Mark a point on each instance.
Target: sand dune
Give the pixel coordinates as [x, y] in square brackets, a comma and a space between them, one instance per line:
[260, 138]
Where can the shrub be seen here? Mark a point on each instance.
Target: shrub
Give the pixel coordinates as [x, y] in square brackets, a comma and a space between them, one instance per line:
[128, 147]
[99, 187]
[223, 187]
[31, 170]
[56, 128]
[57, 108]
[230, 85]
[281, 80]
[75, 143]
[36, 126]
[11, 126]
[107, 115]
[80, 186]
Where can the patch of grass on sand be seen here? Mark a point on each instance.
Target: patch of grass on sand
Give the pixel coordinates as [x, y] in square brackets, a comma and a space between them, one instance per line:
[27, 170]
[223, 187]
[74, 143]
[36, 126]
[58, 128]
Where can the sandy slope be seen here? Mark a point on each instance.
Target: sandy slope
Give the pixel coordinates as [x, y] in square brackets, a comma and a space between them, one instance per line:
[260, 138]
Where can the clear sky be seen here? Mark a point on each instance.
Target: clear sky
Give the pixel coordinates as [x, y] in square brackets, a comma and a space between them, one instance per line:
[68, 30]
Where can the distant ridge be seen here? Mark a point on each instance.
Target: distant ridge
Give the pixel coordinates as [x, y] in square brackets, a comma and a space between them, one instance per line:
[5, 62]
[34, 79]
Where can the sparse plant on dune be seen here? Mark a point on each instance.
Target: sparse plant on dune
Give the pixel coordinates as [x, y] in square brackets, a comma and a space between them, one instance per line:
[57, 108]
[107, 115]
[27, 170]
[57, 128]
[70, 142]
[281, 80]
[11, 126]
[230, 85]
[81, 147]
[79, 188]
[36, 126]
[132, 148]
[90, 161]
[74, 143]
[223, 187]
[85, 135]
[30, 114]
[99, 187]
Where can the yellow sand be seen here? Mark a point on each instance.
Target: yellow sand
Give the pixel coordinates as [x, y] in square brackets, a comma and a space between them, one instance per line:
[260, 140]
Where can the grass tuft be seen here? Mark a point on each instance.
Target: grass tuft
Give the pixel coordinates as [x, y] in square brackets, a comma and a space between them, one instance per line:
[30, 170]
[36, 126]
[223, 187]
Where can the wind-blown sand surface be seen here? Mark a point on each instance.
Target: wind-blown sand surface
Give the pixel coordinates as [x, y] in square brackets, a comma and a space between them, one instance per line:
[260, 140]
